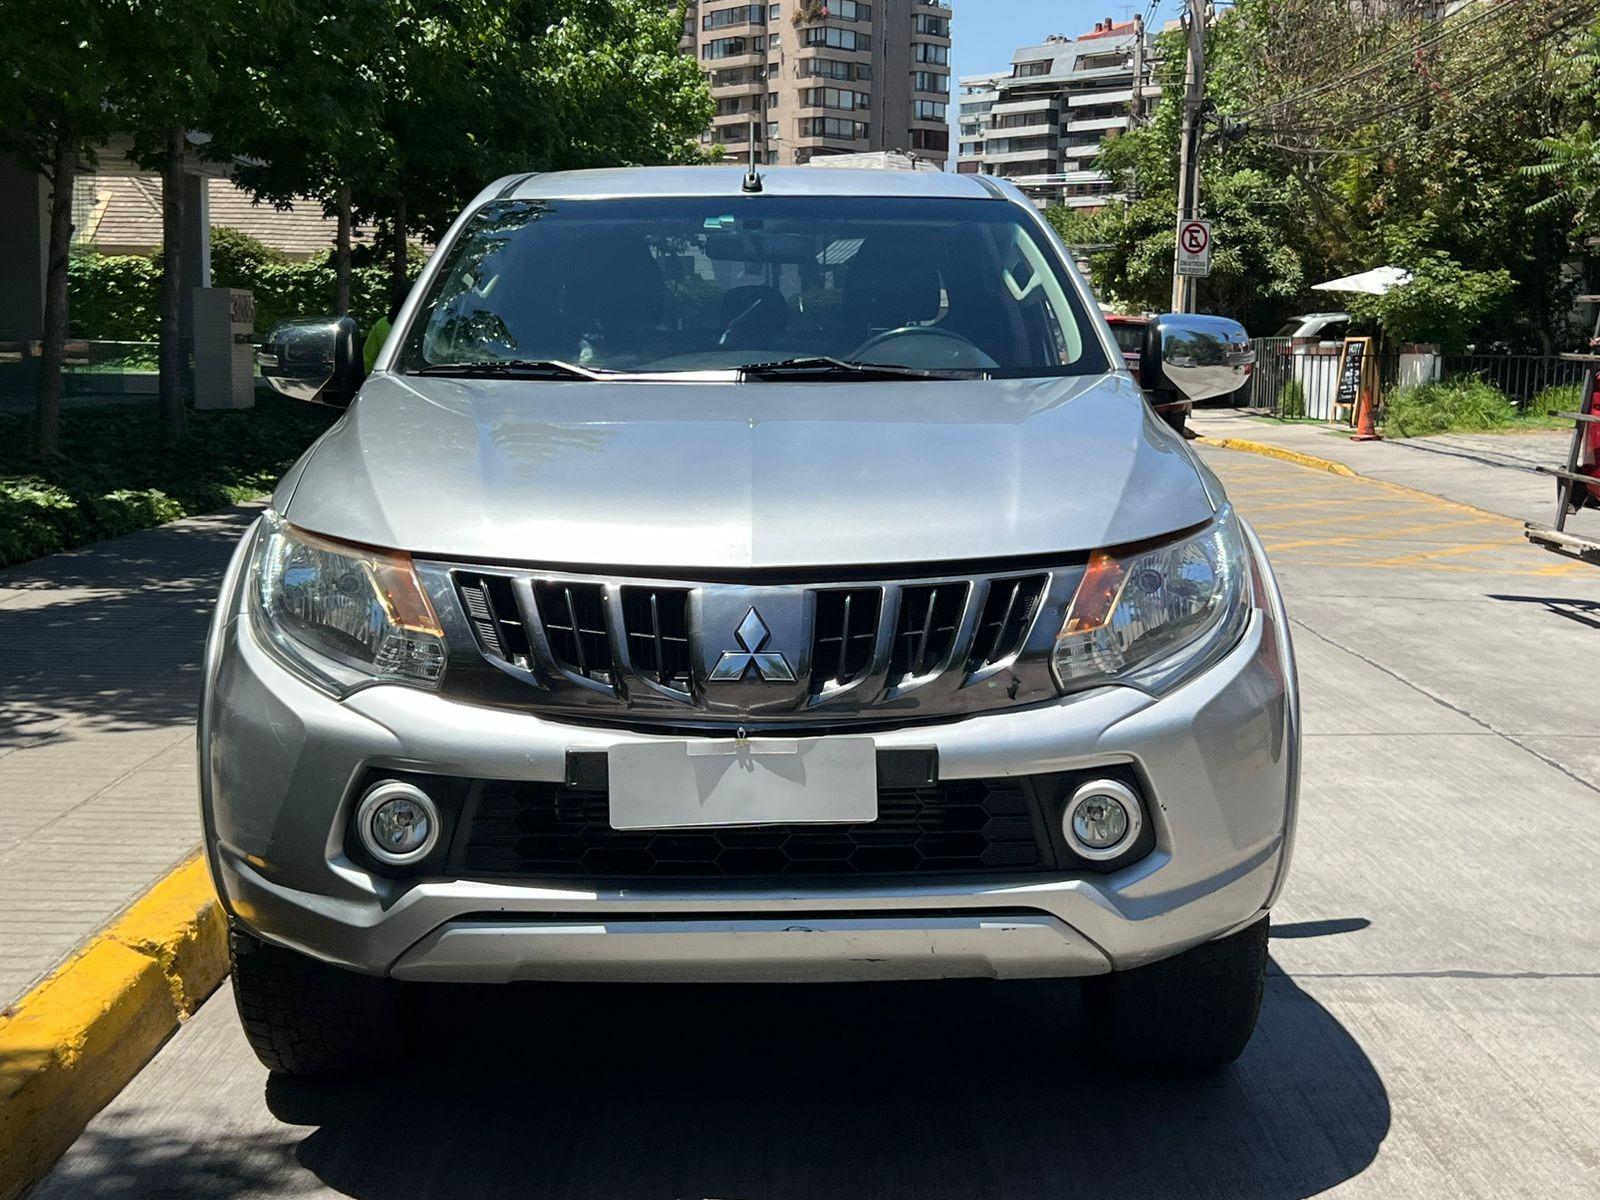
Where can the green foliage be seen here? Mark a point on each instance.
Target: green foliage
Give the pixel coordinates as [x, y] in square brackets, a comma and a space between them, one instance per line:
[1291, 399]
[117, 297]
[113, 298]
[1462, 405]
[1565, 397]
[1444, 302]
[1363, 148]
[117, 476]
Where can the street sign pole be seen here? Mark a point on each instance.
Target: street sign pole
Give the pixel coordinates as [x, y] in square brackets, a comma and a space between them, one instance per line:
[1194, 91]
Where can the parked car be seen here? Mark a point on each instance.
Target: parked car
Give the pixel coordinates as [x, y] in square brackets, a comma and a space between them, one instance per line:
[748, 580]
[1324, 326]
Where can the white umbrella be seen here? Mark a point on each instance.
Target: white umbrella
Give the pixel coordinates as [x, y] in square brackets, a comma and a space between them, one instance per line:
[1371, 283]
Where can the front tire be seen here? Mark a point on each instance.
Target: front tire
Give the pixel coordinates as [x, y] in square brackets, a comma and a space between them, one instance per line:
[304, 1017]
[1189, 1014]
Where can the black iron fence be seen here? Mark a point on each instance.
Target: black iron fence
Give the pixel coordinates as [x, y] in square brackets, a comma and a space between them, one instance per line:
[1520, 376]
[1302, 381]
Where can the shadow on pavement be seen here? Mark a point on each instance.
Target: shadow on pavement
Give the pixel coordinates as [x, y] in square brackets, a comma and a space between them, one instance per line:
[915, 1091]
[112, 634]
[1583, 611]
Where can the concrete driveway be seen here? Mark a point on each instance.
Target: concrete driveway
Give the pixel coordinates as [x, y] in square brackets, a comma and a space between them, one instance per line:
[1431, 1028]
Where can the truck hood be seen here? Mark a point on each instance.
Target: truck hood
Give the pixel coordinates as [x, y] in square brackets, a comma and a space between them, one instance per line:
[745, 476]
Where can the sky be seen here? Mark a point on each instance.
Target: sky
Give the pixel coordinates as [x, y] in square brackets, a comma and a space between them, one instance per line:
[988, 32]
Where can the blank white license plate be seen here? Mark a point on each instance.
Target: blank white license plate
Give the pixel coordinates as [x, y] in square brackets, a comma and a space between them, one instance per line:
[763, 781]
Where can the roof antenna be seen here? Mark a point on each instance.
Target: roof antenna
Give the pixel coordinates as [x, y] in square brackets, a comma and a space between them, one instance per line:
[752, 179]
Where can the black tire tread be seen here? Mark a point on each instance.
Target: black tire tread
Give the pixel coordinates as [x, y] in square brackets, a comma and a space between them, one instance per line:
[1189, 1014]
[303, 1017]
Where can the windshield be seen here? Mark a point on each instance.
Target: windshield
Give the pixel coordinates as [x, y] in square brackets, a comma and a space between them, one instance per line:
[964, 287]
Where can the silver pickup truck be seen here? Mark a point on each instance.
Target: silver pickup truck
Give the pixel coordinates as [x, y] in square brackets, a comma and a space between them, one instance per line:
[761, 578]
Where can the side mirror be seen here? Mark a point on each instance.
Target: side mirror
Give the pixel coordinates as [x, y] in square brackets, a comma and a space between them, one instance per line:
[1202, 357]
[316, 359]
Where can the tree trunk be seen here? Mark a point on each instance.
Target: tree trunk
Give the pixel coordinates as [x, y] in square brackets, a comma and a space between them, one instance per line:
[53, 352]
[341, 253]
[399, 284]
[171, 353]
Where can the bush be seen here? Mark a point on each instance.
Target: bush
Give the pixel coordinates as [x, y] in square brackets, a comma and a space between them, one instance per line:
[1566, 397]
[1292, 399]
[1462, 405]
[116, 475]
[118, 297]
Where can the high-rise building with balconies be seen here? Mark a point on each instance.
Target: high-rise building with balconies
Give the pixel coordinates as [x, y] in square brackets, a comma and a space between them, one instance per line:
[1043, 123]
[807, 78]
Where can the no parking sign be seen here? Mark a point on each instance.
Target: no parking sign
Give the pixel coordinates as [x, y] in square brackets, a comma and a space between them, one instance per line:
[1194, 247]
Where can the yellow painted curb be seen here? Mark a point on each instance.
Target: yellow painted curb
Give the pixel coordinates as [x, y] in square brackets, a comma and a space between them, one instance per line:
[1291, 456]
[68, 1046]
[1337, 468]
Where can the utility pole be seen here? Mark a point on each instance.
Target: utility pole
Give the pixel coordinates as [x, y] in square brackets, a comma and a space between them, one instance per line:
[1194, 95]
[1136, 107]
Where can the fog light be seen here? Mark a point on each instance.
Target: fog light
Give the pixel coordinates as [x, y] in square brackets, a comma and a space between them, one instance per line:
[397, 823]
[1102, 819]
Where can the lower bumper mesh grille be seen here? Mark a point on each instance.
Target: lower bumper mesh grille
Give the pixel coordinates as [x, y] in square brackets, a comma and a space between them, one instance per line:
[545, 829]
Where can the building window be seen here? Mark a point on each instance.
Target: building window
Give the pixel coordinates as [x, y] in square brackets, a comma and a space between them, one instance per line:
[745, 14]
[726, 47]
[729, 105]
[772, 155]
[930, 139]
[837, 39]
[840, 98]
[927, 52]
[837, 128]
[772, 12]
[849, 10]
[772, 100]
[1029, 69]
[930, 81]
[928, 110]
[932, 26]
[827, 68]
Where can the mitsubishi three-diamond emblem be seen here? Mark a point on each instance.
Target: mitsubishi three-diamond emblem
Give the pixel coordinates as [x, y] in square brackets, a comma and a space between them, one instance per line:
[734, 665]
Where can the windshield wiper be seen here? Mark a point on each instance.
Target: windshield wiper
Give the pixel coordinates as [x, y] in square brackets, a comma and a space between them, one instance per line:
[511, 368]
[822, 366]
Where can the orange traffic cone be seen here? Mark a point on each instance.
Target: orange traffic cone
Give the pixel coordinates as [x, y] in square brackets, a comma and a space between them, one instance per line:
[1366, 427]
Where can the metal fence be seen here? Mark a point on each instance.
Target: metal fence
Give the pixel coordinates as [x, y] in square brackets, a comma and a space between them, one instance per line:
[1302, 381]
[1520, 376]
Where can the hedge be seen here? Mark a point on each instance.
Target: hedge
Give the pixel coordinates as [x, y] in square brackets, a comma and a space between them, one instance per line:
[116, 476]
[118, 297]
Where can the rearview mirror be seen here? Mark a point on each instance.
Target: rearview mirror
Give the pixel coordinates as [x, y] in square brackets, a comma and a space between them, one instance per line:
[315, 358]
[1202, 357]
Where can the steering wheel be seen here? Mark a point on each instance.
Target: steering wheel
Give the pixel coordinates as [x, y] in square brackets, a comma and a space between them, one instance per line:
[925, 346]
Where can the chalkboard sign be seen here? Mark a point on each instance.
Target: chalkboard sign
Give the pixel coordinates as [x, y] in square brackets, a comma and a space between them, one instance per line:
[1352, 366]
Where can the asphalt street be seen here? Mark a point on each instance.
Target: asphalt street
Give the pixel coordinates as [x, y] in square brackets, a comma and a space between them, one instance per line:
[1431, 1026]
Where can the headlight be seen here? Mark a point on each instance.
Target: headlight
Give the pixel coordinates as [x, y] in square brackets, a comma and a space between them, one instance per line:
[344, 615]
[1154, 615]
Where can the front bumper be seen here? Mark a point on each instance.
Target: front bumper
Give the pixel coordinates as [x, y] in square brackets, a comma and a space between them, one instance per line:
[278, 759]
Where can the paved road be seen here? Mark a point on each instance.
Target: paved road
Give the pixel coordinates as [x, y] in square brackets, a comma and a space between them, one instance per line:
[1493, 471]
[1431, 1029]
[99, 676]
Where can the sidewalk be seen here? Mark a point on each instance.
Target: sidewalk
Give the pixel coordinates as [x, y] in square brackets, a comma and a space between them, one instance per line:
[1491, 471]
[102, 649]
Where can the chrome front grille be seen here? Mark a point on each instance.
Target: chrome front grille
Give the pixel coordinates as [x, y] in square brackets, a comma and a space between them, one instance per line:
[677, 652]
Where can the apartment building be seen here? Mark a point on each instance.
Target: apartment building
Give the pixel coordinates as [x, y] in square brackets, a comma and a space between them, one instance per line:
[1043, 122]
[808, 78]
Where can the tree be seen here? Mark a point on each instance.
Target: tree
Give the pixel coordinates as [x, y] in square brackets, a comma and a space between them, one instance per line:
[52, 115]
[189, 63]
[314, 127]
